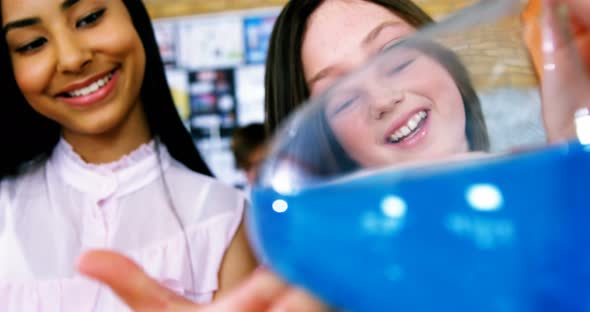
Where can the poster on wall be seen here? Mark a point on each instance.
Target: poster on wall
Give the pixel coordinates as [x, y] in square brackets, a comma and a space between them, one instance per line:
[212, 103]
[178, 81]
[210, 42]
[250, 94]
[166, 37]
[257, 32]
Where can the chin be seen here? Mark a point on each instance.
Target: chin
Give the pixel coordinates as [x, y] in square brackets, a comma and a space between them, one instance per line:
[91, 129]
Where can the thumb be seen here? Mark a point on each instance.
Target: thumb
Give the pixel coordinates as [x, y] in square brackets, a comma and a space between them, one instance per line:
[581, 9]
[131, 283]
[565, 81]
[259, 292]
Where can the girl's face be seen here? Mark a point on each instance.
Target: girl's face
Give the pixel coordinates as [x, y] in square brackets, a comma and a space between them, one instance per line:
[341, 35]
[78, 62]
[405, 109]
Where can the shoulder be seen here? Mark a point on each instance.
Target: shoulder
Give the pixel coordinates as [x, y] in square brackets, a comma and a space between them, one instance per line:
[198, 182]
[25, 183]
[207, 195]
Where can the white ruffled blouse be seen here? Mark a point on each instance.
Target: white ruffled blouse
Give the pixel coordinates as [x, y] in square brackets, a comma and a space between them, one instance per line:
[63, 206]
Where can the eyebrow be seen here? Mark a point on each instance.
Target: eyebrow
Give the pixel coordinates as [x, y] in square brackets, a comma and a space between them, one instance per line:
[67, 4]
[20, 24]
[320, 75]
[372, 35]
[377, 30]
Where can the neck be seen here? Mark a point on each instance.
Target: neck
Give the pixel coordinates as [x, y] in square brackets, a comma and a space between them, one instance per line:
[112, 145]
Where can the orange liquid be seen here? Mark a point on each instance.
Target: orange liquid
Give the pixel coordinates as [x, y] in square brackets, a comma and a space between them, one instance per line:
[533, 38]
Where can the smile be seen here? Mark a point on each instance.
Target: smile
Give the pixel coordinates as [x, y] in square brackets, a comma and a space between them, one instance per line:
[97, 85]
[409, 129]
[91, 92]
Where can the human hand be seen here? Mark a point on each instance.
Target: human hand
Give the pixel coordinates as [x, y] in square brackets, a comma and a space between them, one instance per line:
[263, 291]
[563, 62]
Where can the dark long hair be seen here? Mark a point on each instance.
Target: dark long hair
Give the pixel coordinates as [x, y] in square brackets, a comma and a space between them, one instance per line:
[30, 136]
[285, 84]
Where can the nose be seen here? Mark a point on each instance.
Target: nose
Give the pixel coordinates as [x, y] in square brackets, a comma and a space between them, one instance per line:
[72, 54]
[381, 105]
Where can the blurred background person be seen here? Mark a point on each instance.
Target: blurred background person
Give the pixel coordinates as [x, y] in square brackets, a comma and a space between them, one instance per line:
[248, 146]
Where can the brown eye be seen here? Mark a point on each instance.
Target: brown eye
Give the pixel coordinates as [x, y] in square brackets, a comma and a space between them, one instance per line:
[90, 18]
[32, 46]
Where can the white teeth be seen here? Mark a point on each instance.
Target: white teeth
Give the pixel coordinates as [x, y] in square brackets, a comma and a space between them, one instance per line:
[412, 123]
[405, 130]
[409, 127]
[91, 88]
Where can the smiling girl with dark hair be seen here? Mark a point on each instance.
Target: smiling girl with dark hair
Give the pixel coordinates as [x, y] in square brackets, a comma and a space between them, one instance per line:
[96, 156]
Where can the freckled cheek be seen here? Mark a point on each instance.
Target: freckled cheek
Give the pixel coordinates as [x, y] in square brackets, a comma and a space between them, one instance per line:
[354, 135]
[455, 107]
[445, 95]
[450, 107]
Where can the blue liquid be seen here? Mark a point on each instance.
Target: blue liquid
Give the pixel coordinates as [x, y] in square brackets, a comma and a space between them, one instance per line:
[416, 240]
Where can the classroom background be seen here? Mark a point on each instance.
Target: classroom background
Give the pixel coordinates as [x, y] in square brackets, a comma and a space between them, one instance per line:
[215, 53]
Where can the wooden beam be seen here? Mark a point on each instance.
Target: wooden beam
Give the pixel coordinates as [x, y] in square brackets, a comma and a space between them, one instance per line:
[167, 8]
